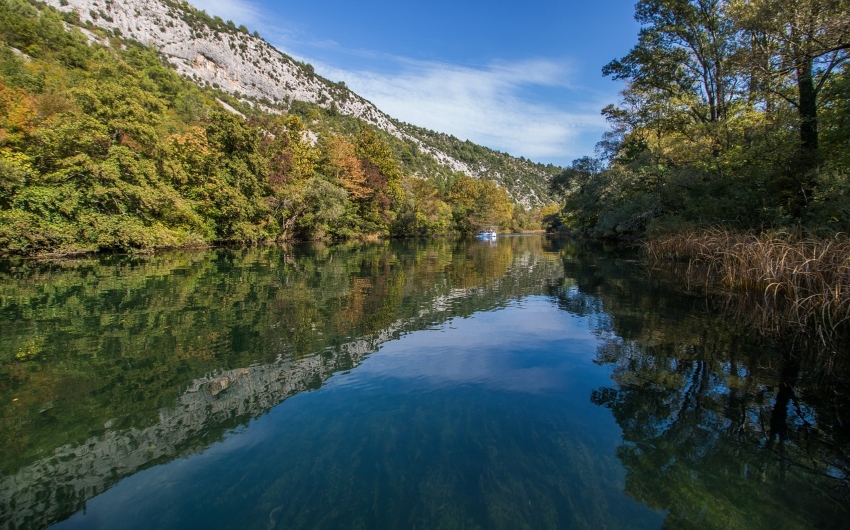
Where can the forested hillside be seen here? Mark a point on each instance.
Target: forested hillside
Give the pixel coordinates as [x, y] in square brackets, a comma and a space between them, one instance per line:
[736, 113]
[218, 54]
[103, 145]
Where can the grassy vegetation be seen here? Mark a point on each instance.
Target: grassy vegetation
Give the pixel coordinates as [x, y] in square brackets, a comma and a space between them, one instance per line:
[807, 280]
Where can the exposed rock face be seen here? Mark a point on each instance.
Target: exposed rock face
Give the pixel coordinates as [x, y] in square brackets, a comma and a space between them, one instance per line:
[246, 65]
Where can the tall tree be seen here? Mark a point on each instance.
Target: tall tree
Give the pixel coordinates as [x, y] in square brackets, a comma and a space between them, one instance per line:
[801, 46]
[478, 202]
[383, 178]
[683, 51]
[342, 165]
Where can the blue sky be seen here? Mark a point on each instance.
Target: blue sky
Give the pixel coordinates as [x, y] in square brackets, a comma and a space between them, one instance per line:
[522, 77]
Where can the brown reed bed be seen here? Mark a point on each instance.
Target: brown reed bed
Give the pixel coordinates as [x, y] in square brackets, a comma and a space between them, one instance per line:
[800, 281]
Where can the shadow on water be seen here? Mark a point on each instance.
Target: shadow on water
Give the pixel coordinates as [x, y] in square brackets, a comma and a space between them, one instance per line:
[725, 424]
[113, 368]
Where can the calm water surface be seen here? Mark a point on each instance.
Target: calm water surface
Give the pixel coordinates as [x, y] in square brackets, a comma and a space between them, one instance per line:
[420, 384]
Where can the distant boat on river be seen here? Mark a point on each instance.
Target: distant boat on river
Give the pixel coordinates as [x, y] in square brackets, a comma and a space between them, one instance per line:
[487, 232]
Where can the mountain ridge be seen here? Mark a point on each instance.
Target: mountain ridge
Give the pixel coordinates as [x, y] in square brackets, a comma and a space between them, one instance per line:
[213, 52]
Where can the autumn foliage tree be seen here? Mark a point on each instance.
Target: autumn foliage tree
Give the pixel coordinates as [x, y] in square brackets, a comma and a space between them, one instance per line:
[476, 203]
[105, 146]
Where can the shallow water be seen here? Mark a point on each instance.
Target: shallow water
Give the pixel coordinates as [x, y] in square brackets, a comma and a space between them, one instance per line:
[522, 383]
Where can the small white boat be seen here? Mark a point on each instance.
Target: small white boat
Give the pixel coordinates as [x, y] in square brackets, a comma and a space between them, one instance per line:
[488, 232]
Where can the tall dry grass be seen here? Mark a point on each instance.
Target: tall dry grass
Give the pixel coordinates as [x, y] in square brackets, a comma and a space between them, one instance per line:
[806, 280]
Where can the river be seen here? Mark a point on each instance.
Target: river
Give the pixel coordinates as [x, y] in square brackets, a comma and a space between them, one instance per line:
[518, 383]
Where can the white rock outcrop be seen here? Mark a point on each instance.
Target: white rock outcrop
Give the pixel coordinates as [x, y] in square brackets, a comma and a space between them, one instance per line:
[250, 68]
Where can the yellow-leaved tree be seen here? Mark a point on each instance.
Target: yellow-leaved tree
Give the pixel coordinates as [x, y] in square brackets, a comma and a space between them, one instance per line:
[479, 202]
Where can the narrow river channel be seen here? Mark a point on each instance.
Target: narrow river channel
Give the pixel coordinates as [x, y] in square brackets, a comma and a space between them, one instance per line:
[516, 383]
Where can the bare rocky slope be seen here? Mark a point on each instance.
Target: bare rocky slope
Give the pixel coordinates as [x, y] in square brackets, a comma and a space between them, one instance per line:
[213, 52]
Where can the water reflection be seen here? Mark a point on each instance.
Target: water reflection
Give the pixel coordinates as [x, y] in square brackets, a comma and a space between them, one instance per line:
[112, 365]
[400, 443]
[723, 426]
[529, 383]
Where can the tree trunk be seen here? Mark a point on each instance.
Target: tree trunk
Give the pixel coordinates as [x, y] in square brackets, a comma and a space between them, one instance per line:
[785, 393]
[799, 183]
[808, 111]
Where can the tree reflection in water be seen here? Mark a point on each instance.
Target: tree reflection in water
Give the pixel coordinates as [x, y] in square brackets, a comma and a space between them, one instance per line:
[115, 365]
[723, 426]
[110, 365]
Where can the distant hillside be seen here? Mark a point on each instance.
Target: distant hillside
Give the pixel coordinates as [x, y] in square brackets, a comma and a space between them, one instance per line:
[104, 146]
[219, 54]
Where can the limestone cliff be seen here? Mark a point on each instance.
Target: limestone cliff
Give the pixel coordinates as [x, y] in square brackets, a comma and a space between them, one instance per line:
[209, 51]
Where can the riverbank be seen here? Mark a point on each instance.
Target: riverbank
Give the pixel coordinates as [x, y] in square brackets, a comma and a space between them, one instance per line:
[356, 238]
[806, 280]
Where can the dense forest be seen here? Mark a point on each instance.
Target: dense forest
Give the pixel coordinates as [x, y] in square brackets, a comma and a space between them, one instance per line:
[735, 113]
[103, 146]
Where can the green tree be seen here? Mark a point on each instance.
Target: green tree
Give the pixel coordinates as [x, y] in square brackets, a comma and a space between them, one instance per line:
[705, 129]
[383, 177]
[800, 46]
[683, 51]
[424, 211]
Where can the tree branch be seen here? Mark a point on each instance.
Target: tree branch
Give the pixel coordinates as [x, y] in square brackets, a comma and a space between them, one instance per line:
[835, 61]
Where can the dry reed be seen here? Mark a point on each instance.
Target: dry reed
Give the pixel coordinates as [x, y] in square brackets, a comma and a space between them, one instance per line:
[806, 280]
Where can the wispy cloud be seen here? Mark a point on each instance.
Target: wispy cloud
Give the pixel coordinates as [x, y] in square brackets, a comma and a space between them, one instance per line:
[493, 105]
[498, 104]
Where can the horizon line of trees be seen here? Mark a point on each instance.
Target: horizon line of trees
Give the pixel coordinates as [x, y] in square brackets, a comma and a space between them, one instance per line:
[735, 112]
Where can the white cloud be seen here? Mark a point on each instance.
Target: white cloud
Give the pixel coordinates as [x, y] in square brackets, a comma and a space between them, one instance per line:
[492, 105]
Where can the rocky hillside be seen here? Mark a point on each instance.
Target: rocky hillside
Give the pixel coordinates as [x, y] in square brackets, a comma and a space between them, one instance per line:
[213, 52]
